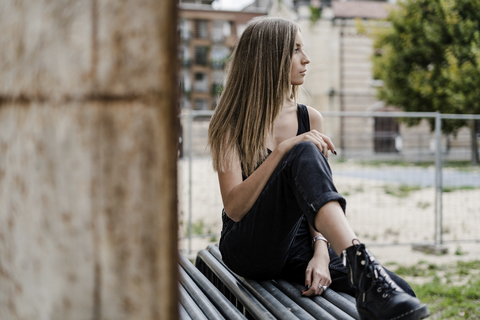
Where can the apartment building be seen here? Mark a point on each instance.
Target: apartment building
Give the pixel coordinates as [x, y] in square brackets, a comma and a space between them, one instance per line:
[207, 37]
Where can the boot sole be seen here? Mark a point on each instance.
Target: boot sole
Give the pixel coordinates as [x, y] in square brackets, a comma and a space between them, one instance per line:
[417, 314]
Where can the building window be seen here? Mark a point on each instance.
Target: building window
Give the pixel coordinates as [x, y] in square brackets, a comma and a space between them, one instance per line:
[387, 135]
[184, 53]
[201, 30]
[201, 55]
[219, 56]
[184, 102]
[201, 82]
[200, 104]
[185, 83]
[220, 30]
[184, 27]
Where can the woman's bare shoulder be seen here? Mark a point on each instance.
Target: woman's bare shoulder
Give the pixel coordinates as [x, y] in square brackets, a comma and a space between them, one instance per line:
[316, 119]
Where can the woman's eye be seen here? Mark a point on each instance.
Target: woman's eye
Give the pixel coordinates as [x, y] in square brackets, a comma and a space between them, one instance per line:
[296, 50]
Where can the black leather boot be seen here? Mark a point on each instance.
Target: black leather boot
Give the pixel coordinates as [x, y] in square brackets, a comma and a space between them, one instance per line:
[378, 296]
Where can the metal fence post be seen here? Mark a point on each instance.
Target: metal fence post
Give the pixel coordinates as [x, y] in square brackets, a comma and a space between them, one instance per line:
[438, 181]
[190, 160]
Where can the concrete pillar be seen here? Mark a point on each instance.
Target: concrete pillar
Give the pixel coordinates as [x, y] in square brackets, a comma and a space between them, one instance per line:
[88, 96]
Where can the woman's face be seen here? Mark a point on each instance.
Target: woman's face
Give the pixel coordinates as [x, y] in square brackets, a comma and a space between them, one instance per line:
[299, 62]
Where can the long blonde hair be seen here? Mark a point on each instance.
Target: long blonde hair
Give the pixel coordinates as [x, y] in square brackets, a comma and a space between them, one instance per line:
[258, 79]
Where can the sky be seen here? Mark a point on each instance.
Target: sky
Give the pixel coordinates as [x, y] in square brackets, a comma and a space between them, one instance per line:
[231, 4]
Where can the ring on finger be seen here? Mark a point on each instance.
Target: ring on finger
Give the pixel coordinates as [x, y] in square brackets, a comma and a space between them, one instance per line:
[322, 287]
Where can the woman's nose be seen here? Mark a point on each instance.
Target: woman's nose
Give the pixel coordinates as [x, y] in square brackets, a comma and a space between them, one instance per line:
[306, 60]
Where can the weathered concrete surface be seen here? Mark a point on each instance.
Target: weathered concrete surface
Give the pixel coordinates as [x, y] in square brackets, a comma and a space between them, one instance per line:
[88, 160]
[79, 48]
[46, 48]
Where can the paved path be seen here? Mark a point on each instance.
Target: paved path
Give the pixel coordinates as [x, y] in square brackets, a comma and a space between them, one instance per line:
[413, 176]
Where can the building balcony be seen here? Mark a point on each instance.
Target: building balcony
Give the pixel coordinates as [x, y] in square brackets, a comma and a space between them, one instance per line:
[201, 62]
[185, 35]
[200, 87]
[217, 89]
[218, 38]
[185, 62]
[218, 64]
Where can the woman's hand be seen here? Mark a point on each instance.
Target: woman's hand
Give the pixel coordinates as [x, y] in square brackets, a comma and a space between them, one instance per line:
[320, 140]
[317, 275]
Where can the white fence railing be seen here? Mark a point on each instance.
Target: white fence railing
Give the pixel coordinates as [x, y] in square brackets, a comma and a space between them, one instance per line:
[404, 186]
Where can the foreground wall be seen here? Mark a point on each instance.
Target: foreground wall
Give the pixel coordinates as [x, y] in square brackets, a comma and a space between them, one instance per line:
[88, 160]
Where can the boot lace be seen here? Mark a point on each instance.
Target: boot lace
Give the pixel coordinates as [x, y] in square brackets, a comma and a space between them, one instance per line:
[376, 274]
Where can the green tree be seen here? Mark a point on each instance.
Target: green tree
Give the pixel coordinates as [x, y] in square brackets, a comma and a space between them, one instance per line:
[429, 59]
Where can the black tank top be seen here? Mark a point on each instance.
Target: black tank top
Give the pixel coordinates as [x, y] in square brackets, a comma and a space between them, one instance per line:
[303, 125]
[303, 119]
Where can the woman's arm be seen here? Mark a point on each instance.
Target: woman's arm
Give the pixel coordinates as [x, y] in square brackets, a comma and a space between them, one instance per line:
[239, 196]
[317, 272]
[316, 119]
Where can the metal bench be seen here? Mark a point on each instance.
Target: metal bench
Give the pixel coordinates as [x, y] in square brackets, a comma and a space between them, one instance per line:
[273, 299]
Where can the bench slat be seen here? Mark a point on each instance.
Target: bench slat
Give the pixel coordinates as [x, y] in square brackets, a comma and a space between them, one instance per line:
[279, 310]
[343, 301]
[307, 304]
[348, 297]
[190, 306]
[286, 301]
[244, 296]
[227, 309]
[182, 313]
[327, 305]
[279, 304]
[199, 297]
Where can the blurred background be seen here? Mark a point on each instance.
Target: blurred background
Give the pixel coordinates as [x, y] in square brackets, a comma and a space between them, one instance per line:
[398, 85]
[408, 149]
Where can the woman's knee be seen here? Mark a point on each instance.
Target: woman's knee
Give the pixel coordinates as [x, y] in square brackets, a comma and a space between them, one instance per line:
[305, 145]
[305, 149]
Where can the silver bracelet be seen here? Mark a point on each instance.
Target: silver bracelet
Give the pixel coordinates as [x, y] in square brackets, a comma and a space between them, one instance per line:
[316, 238]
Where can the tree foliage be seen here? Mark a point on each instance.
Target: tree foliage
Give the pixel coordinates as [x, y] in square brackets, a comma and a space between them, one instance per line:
[429, 59]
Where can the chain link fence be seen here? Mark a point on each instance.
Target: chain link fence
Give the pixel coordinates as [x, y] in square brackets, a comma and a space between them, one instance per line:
[403, 185]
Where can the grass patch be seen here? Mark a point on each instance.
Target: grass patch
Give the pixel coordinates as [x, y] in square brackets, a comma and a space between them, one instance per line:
[459, 251]
[451, 301]
[413, 271]
[350, 190]
[400, 191]
[451, 189]
[397, 163]
[198, 227]
[451, 292]
[460, 165]
[423, 204]
[457, 165]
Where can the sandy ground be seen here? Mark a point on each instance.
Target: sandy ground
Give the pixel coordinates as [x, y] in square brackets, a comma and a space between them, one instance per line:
[384, 215]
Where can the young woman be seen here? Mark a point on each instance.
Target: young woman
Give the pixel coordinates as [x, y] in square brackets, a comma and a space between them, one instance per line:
[281, 208]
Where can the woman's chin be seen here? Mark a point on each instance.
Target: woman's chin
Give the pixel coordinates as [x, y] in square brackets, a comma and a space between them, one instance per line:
[297, 83]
